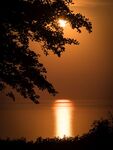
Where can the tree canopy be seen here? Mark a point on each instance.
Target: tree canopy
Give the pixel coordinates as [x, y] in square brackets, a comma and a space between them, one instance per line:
[36, 20]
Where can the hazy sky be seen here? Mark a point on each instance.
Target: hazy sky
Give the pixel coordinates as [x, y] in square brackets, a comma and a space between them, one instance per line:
[83, 73]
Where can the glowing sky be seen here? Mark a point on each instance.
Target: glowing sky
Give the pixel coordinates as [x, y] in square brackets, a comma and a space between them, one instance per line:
[85, 71]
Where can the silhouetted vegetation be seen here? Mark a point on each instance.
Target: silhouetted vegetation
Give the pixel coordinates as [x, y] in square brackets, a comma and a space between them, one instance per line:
[99, 137]
[35, 20]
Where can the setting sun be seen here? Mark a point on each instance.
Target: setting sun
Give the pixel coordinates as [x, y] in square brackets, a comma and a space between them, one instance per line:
[62, 22]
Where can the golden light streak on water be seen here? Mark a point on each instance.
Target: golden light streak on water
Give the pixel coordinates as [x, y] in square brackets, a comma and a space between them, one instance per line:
[63, 114]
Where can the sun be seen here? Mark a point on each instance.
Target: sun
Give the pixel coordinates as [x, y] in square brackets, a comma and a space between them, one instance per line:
[62, 22]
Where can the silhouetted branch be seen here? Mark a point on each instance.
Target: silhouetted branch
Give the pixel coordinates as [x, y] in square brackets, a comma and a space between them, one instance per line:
[36, 20]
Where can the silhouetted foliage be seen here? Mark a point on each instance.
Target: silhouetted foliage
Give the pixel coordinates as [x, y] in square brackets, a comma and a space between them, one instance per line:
[99, 137]
[36, 20]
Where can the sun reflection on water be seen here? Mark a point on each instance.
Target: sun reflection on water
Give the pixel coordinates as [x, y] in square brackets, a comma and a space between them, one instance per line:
[63, 114]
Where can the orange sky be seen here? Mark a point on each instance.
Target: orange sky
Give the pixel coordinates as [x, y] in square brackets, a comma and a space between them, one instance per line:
[85, 71]
[83, 74]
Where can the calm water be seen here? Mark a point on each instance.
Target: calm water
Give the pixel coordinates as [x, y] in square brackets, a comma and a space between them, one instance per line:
[71, 119]
[62, 117]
